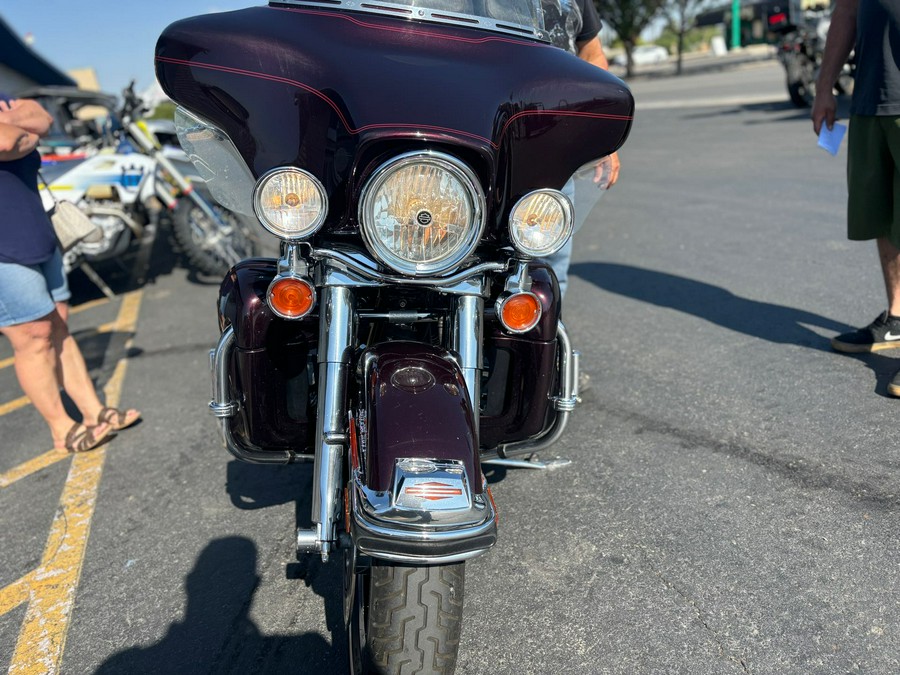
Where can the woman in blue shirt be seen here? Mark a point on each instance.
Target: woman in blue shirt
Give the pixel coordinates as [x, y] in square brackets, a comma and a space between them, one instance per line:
[34, 292]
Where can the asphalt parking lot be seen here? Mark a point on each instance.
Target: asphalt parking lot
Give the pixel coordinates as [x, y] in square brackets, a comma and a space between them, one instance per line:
[732, 505]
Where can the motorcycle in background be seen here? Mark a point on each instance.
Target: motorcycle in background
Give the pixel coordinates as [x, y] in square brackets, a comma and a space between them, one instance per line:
[128, 183]
[408, 333]
[800, 51]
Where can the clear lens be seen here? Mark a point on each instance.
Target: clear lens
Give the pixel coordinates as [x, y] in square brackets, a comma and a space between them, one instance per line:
[290, 203]
[541, 222]
[422, 213]
[217, 161]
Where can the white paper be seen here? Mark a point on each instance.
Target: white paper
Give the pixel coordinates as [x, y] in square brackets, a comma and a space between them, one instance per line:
[830, 139]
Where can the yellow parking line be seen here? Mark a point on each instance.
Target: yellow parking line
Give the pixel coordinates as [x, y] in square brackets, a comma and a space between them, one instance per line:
[50, 589]
[31, 466]
[6, 363]
[15, 404]
[88, 305]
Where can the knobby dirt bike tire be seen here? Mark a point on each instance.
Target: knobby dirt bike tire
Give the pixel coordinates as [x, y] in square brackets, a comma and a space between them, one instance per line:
[199, 258]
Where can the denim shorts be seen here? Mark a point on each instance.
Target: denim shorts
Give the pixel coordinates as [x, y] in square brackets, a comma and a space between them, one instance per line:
[29, 292]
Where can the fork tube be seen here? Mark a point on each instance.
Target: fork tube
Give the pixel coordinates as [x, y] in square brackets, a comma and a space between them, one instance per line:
[466, 340]
[335, 342]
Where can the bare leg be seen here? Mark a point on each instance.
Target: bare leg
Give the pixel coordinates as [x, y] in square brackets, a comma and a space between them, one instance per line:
[75, 377]
[35, 361]
[37, 369]
[890, 267]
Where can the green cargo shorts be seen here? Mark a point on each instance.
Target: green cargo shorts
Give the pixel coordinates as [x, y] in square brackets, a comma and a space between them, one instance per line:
[873, 178]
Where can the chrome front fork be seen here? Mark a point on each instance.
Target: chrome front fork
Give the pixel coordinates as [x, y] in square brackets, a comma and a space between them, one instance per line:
[337, 328]
[466, 340]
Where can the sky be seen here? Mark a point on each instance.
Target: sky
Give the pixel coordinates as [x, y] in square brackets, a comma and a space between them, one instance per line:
[115, 37]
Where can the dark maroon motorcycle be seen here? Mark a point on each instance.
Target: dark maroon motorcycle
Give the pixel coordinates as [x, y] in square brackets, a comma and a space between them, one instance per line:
[411, 160]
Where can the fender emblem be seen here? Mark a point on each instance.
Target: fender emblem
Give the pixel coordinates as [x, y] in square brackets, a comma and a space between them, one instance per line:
[432, 491]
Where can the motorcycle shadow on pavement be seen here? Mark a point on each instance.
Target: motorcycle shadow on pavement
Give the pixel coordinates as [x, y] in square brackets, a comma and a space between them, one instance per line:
[763, 320]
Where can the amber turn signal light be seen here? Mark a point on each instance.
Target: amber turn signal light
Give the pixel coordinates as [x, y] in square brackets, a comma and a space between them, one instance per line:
[519, 312]
[291, 297]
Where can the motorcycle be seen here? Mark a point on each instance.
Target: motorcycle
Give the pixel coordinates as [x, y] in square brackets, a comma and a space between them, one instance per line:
[126, 180]
[410, 158]
[800, 51]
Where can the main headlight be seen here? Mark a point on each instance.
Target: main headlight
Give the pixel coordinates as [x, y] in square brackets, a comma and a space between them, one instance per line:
[422, 213]
[290, 203]
[541, 222]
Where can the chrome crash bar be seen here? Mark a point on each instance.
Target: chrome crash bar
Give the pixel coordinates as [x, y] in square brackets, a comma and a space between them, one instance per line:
[564, 403]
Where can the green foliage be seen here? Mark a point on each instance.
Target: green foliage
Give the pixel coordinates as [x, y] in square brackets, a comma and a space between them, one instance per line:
[628, 17]
[694, 40]
[164, 111]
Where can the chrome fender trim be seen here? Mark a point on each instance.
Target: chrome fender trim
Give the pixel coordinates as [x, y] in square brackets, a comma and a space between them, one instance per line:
[429, 516]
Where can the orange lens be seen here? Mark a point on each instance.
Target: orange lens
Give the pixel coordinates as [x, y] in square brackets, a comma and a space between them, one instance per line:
[520, 312]
[291, 298]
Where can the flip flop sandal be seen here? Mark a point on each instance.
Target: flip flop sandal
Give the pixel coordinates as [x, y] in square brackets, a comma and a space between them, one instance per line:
[81, 438]
[118, 419]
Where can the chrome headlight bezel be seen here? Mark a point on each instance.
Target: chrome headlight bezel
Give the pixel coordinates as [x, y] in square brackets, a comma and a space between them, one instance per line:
[473, 190]
[568, 225]
[258, 208]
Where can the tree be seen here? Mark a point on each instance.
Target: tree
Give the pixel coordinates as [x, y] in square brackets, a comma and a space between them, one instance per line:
[682, 16]
[628, 18]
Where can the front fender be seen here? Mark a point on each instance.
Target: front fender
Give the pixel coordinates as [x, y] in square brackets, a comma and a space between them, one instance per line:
[417, 491]
[416, 405]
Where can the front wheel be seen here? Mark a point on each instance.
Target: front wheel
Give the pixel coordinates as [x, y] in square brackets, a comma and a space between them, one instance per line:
[801, 84]
[210, 248]
[401, 617]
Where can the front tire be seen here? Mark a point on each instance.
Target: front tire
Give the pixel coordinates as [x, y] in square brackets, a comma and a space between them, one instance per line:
[209, 248]
[403, 619]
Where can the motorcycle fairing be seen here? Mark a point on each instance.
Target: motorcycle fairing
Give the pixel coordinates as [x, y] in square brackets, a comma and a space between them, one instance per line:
[320, 89]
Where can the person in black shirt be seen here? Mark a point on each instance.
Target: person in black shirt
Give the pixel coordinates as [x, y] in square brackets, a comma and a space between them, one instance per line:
[575, 26]
[872, 28]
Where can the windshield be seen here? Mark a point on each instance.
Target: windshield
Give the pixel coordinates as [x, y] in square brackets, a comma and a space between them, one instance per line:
[517, 17]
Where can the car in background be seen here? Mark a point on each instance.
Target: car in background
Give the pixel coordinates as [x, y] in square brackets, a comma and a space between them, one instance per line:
[643, 55]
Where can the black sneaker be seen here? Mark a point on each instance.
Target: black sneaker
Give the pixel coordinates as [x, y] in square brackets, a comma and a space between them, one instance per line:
[894, 386]
[882, 333]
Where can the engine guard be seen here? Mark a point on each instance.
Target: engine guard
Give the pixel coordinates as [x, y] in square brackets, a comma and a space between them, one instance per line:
[417, 492]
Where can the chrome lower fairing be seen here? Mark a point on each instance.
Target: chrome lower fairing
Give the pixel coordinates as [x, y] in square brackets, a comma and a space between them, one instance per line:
[429, 516]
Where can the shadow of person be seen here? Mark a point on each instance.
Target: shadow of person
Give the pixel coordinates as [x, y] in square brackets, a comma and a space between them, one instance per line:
[763, 320]
[260, 486]
[217, 634]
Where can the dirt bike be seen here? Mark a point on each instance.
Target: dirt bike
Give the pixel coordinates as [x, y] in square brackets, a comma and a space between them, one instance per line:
[410, 158]
[119, 173]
